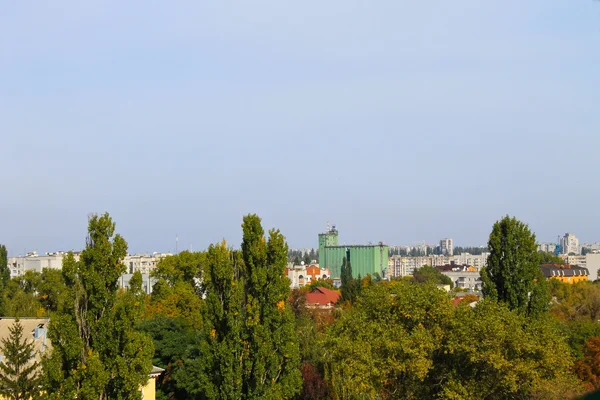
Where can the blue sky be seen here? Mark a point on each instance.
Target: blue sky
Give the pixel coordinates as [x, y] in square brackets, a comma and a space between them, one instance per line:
[398, 121]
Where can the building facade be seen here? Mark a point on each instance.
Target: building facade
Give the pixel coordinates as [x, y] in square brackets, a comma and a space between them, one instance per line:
[592, 263]
[547, 247]
[447, 247]
[399, 266]
[303, 275]
[565, 273]
[365, 259]
[143, 263]
[569, 244]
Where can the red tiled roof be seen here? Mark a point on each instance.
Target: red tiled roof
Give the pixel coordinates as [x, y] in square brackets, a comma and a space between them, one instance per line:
[322, 296]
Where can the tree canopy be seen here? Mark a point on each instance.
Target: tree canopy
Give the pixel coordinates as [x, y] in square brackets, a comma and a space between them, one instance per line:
[19, 374]
[96, 351]
[513, 274]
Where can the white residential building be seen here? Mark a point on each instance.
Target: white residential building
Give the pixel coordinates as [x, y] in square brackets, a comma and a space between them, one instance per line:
[144, 263]
[303, 275]
[34, 262]
[447, 247]
[547, 247]
[569, 244]
[399, 266]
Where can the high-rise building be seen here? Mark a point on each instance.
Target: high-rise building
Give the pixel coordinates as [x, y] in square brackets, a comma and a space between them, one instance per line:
[447, 247]
[569, 244]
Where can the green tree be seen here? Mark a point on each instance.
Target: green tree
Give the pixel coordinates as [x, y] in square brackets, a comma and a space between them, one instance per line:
[296, 260]
[402, 341]
[19, 375]
[183, 267]
[513, 274]
[274, 365]
[4, 270]
[350, 286]
[97, 353]
[171, 336]
[429, 274]
[307, 260]
[549, 258]
[4, 278]
[248, 346]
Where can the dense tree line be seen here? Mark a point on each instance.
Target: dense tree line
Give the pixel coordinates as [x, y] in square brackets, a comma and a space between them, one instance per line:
[224, 324]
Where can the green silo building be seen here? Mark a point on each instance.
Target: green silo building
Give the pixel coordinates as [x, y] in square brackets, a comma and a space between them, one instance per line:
[365, 259]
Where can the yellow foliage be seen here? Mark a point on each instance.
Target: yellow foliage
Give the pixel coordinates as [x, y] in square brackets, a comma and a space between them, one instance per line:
[281, 305]
[213, 333]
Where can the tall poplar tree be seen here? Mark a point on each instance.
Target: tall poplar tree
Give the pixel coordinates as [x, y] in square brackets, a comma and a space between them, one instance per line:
[513, 274]
[4, 278]
[96, 352]
[273, 371]
[248, 348]
[19, 375]
[4, 270]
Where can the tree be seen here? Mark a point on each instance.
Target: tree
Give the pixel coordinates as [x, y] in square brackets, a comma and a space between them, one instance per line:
[4, 278]
[588, 368]
[296, 260]
[513, 274]
[401, 341]
[549, 258]
[350, 286]
[19, 375]
[97, 353]
[248, 346]
[171, 336]
[307, 260]
[429, 274]
[4, 270]
[183, 267]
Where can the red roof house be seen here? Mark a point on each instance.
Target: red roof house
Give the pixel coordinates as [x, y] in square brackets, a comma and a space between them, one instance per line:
[322, 297]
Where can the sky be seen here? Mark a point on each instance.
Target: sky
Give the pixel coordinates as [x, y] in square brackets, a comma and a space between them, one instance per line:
[398, 121]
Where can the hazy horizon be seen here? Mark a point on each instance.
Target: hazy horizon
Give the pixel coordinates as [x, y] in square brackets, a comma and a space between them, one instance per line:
[397, 121]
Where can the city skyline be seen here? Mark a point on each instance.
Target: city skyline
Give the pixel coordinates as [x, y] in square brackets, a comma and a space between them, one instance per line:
[398, 121]
[179, 244]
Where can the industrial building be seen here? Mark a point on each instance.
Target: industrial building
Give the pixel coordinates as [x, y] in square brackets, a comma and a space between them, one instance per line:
[365, 259]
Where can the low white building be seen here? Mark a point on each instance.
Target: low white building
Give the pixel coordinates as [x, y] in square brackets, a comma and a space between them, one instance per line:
[399, 266]
[302, 275]
[465, 279]
[34, 262]
[144, 263]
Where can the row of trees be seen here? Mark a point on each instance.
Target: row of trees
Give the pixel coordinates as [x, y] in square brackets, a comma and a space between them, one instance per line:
[224, 324]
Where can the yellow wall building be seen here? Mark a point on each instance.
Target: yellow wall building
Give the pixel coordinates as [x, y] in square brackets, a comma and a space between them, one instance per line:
[565, 272]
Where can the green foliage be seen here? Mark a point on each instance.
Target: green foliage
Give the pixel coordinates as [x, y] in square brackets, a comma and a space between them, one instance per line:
[19, 375]
[513, 272]
[350, 286]
[471, 250]
[171, 337]
[407, 341]
[4, 270]
[183, 267]
[549, 258]
[429, 274]
[4, 278]
[326, 283]
[96, 351]
[247, 347]
[307, 260]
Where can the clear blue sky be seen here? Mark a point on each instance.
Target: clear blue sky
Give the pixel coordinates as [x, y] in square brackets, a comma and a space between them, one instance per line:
[399, 121]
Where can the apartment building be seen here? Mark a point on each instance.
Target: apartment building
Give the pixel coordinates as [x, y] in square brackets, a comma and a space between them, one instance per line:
[32, 261]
